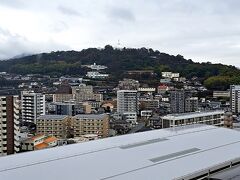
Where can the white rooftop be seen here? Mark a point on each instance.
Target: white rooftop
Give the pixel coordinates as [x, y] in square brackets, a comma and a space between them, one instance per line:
[191, 115]
[160, 154]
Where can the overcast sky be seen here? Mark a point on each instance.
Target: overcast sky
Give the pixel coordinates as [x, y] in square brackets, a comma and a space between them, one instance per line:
[201, 30]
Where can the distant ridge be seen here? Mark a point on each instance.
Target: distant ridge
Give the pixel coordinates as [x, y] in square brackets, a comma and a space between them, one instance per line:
[119, 61]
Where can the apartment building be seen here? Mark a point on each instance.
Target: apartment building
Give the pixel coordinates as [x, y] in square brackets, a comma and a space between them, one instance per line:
[177, 101]
[127, 104]
[32, 105]
[62, 97]
[62, 126]
[206, 117]
[149, 103]
[80, 93]
[54, 125]
[191, 104]
[221, 94]
[91, 124]
[128, 84]
[9, 125]
[235, 98]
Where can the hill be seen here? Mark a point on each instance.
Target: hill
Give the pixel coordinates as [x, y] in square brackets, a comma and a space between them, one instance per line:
[118, 61]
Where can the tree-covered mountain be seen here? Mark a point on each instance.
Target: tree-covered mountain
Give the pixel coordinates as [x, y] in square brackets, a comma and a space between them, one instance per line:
[118, 61]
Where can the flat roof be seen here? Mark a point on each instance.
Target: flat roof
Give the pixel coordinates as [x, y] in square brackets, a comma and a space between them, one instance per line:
[159, 154]
[90, 116]
[191, 115]
[52, 117]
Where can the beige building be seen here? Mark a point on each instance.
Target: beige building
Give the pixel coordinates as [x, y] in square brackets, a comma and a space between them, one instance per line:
[80, 93]
[62, 97]
[91, 124]
[62, 126]
[54, 125]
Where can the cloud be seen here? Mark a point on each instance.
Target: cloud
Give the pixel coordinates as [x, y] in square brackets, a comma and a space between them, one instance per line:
[121, 14]
[59, 26]
[68, 11]
[15, 44]
[12, 3]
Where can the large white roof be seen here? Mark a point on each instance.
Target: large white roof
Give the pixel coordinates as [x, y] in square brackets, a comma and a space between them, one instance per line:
[160, 154]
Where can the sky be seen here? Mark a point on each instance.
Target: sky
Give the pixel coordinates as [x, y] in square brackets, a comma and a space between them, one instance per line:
[201, 30]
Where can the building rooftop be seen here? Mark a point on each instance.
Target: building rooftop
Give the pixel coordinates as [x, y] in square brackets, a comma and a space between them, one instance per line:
[50, 139]
[41, 146]
[191, 115]
[174, 153]
[90, 116]
[52, 117]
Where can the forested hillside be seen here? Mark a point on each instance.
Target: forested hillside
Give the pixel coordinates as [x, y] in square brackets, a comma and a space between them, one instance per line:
[216, 76]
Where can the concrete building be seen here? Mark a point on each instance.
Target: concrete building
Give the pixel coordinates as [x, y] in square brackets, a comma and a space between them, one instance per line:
[208, 117]
[54, 125]
[127, 103]
[85, 92]
[82, 88]
[149, 104]
[91, 124]
[235, 98]
[96, 75]
[65, 109]
[191, 104]
[62, 97]
[147, 89]
[177, 101]
[32, 106]
[221, 94]
[9, 125]
[38, 142]
[80, 93]
[170, 75]
[128, 84]
[182, 153]
[62, 126]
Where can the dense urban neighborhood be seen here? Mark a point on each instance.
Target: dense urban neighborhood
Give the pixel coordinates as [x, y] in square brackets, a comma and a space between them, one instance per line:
[45, 111]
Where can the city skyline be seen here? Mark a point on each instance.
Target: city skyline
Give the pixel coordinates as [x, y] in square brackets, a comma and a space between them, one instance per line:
[201, 31]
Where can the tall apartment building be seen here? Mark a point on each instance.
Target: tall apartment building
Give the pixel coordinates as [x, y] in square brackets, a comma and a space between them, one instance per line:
[177, 101]
[127, 104]
[9, 125]
[181, 101]
[191, 104]
[32, 105]
[235, 98]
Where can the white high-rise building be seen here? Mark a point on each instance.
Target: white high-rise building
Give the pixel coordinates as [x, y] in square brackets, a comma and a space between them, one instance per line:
[9, 125]
[235, 98]
[32, 105]
[127, 104]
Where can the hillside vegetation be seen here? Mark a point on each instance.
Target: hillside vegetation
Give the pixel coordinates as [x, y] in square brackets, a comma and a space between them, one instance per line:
[215, 76]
